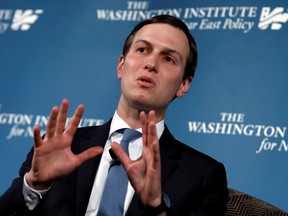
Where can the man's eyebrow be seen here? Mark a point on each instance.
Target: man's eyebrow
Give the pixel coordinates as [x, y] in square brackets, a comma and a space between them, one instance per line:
[143, 41]
[166, 49]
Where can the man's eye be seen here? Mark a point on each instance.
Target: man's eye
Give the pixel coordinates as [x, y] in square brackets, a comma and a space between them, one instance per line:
[169, 59]
[141, 49]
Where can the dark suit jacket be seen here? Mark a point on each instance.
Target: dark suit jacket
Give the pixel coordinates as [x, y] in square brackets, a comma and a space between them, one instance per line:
[195, 183]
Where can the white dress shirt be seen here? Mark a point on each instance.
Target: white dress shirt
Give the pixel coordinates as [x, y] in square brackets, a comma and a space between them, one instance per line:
[32, 197]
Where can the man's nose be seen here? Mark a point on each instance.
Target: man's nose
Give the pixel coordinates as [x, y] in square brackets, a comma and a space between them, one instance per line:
[151, 64]
[150, 67]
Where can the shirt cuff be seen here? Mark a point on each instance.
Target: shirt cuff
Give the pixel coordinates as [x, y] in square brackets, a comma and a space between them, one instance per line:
[32, 197]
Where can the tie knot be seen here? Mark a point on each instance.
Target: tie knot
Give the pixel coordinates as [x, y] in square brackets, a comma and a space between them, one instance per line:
[130, 135]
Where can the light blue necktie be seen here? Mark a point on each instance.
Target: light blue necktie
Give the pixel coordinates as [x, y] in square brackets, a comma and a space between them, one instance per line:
[112, 201]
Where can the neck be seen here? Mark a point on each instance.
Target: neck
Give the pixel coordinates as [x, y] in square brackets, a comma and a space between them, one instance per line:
[131, 114]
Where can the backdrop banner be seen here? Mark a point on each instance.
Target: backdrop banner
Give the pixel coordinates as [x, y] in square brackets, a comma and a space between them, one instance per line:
[236, 110]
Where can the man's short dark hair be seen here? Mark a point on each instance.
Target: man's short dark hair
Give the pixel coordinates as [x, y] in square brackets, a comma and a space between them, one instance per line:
[191, 62]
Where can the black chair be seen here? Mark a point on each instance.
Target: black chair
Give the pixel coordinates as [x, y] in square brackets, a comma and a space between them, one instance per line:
[241, 204]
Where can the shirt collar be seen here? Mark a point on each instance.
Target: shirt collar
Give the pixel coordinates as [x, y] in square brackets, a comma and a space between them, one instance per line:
[118, 123]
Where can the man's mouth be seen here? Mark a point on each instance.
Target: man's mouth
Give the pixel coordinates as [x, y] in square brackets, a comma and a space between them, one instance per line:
[145, 81]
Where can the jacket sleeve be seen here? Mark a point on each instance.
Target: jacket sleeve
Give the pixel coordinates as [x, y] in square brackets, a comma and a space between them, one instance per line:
[12, 201]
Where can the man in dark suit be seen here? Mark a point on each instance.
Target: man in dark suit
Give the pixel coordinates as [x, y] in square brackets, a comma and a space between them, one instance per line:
[65, 172]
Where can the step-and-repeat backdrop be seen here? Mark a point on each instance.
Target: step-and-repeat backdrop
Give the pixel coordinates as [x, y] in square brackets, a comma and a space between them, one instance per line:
[236, 110]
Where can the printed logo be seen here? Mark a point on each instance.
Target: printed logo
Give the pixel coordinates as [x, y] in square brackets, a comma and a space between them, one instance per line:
[233, 124]
[274, 18]
[227, 18]
[18, 20]
[17, 125]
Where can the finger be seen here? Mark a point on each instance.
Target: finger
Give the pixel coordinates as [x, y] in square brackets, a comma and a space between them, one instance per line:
[151, 134]
[156, 155]
[143, 121]
[121, 154]
[74, 122]
[62, 116]
[88, 154]
[37, 136]
[51, 125]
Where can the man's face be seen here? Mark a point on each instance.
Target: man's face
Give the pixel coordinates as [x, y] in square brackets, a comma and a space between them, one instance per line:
[152, 71]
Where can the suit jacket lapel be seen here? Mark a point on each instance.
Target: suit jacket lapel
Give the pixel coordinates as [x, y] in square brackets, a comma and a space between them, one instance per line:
[169, 164]
[86, 173]
[169, 155]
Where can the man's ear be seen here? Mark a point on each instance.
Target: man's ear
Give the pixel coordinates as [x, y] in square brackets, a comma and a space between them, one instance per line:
[120, 66]
[184, 87]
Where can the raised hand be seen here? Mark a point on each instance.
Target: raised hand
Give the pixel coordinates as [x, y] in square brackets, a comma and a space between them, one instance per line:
[145, 172]
[53, 158]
